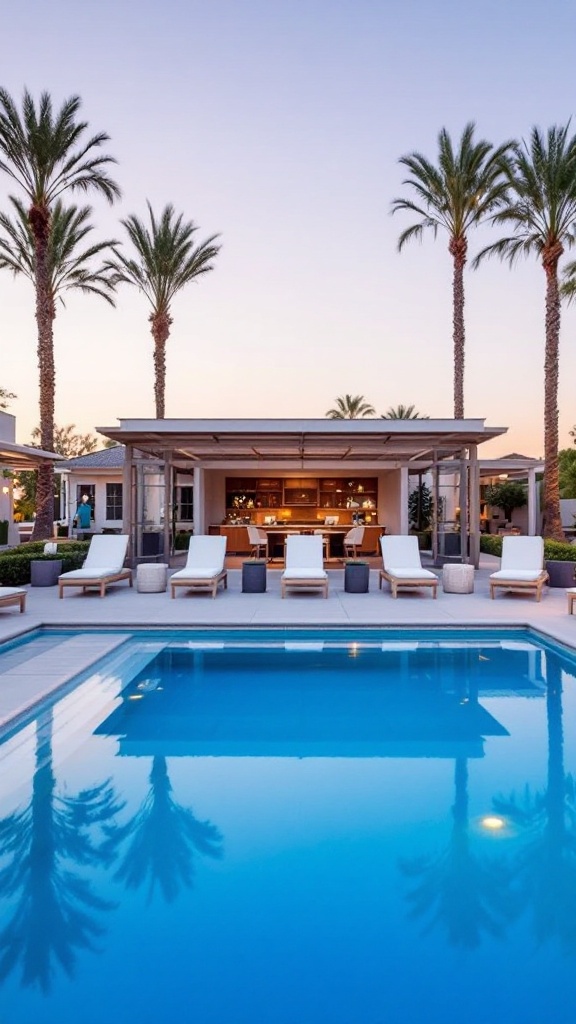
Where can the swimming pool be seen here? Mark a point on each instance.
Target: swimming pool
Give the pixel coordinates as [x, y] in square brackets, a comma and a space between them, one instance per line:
[316, 827]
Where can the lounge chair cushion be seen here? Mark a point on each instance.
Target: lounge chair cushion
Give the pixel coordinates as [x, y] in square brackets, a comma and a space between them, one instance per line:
[518, 575]
[89, 574]
[7, 592]
[409, 574]
[191, 573]
[305, 574]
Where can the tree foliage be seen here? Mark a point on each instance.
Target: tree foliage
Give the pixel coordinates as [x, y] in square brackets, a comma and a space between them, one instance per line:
[166, 260]
[507, 496]
[350, 407]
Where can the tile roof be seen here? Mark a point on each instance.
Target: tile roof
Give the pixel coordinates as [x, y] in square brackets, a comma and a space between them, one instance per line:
[108, 458]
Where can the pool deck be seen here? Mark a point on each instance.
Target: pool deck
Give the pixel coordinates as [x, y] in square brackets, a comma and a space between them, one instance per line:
[124, 607]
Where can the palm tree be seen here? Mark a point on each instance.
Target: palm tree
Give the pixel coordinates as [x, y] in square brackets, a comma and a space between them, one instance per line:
[48, 155]
[350, 407]
[71, 267]
[166, 260]
[456, 195]
[541, 211]
[403, 412]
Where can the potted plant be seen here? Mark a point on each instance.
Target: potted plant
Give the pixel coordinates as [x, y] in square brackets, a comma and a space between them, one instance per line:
[356, 576]
[560, 560]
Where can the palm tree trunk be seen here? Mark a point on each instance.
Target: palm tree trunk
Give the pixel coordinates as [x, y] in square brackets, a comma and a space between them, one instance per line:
[40, 224]
[552, 519]
[458, 249]
[160, 332]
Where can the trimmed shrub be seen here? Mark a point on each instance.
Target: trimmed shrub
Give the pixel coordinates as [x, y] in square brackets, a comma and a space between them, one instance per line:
[490, 544]
[558, 551]
[15, 563]
[182, 540]
[554, 550]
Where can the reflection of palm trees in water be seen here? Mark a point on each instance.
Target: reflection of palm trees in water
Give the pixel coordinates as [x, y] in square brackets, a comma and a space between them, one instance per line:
[41, 843]
[164, 836]
[457, 890]
[546, 864]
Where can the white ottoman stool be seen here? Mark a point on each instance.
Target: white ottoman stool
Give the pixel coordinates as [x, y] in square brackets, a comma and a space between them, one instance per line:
[151, 577]
[458, 579]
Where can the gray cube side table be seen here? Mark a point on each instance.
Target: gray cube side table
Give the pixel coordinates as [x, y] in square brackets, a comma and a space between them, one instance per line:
[45, 573]
[254, 576]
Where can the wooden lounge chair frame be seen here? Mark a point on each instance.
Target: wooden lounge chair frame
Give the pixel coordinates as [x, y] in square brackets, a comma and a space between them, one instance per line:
[204, 569]
[208, 583]
[571, 595]
[105, 559]
[404, 553]
[312, 542]
[406, 582]
[520, 555]
[101, 582]
[18, 598]
[521, 585]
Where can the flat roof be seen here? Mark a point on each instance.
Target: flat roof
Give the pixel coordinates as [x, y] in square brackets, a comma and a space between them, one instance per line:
[24, 457]
[363, 441]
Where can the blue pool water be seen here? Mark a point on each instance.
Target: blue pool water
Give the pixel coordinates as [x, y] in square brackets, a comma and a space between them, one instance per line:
[295, 831]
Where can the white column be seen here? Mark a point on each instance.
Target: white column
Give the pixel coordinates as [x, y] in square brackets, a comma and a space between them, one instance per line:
[127, 514]
[199, 501]
[532, 502]
[474, 558]
[404, 521]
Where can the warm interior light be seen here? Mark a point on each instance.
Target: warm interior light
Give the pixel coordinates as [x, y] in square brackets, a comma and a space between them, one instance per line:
[492, 822]
[5, 490]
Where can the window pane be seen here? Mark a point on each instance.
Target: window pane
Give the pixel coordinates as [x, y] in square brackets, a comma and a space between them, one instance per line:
[114, 501]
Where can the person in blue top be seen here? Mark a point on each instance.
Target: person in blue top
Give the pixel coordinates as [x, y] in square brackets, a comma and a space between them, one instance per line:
[83, 514]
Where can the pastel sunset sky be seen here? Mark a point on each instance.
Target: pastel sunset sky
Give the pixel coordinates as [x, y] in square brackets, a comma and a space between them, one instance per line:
[279, 124]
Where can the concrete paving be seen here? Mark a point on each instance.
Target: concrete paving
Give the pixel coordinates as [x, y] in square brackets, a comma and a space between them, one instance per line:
[27, 677]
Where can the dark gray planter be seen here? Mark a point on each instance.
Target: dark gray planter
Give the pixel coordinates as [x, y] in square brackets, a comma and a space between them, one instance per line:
[45, 574]
[254, 576]
[561, 573]
[356, 578]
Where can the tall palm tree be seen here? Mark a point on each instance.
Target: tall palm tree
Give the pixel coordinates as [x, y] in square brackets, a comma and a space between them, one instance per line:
[457, 194]
[166, 260]
[403, 412]
[350, 407]
[47, 155]
[72, 265]
[541, 212]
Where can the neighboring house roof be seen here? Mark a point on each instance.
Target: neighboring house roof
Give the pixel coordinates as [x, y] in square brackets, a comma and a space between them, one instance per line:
[108, 458]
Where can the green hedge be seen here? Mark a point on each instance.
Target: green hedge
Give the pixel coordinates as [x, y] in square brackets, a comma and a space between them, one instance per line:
[491, 544]
[15, 563]
[554, 550]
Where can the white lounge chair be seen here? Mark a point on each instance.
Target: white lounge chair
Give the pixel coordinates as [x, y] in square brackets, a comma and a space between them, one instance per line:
[304, 565]
[204, 568]
[104, 564]
[13, 595]
[401, 565]
[521, 566]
